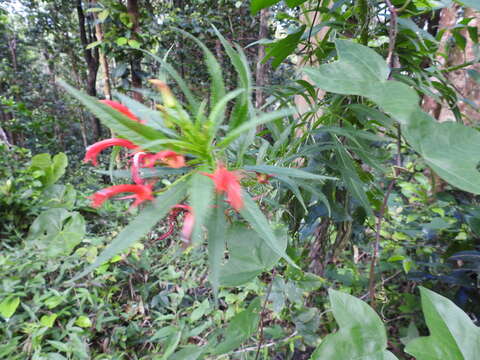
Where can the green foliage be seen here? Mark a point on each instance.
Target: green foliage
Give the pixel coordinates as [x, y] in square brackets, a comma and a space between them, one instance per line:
[439, 144]
[361, 334]
[452, 333]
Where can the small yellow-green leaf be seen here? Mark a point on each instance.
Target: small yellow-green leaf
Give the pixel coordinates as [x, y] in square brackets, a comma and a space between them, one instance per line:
[48, 320]
[8, 307]
[83, 322]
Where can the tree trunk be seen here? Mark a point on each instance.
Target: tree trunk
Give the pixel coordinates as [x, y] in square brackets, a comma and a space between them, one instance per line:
[261, 71]
[136, 60]
[103, 58]
[448, 18]
[91, 59]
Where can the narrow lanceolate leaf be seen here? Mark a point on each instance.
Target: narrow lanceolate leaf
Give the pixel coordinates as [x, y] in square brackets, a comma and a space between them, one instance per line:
[152, 117]
[352, 181]
[239, 61]
[217, 229]
[168, 69]
[140, 226]
[257, 121]
[214, 69]
[123, 126]
[201, 194]
[284, 47]
[260, 225]
[453, 335]
[361, 334]
[217, 115]
[290, 172]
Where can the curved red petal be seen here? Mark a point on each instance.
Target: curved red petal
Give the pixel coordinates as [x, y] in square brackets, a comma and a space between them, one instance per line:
[122, 108]
[95, 149]
[141, 193]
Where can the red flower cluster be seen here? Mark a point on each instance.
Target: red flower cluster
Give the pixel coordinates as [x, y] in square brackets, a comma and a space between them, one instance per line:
[140, 191]
[229, 182]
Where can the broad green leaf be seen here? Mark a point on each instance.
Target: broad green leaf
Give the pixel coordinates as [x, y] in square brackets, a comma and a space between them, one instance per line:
[361, 334]
[201, 195]
[294, 3]
[260, 225]
[253, 123]
[451, 149]
[214, 69]
[135, 132]
[140, 226]
[56, 232]
[291, 172]
[249, 255]
[361, 71]
[191, 352]
[281, 49]
[241, 327]
[41, 161]
[453, 335]
[8, 307]
[257, 5]
[59, 164]
[217, 229]
[59, 196]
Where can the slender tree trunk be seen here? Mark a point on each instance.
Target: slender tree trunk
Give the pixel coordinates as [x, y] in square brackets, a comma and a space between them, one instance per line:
[136, 60]
[91, 59]
[448, 18]
[103, 58]
[261, 71]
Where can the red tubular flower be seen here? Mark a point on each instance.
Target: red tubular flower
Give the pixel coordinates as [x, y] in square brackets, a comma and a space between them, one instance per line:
[188, 223]
[136, 164]
[141, 193]
[123, 109]
[168, 157]
[95, 149]
[229, 182]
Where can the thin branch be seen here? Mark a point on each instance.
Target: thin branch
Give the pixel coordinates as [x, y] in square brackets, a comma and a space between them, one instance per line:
[262, 314]
[392, 33]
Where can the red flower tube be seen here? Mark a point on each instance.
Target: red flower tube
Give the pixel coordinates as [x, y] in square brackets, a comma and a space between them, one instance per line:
[229, 182]
[95, 149]
[168, 157]
[141, 193]
[136, 164]
[123, 109]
